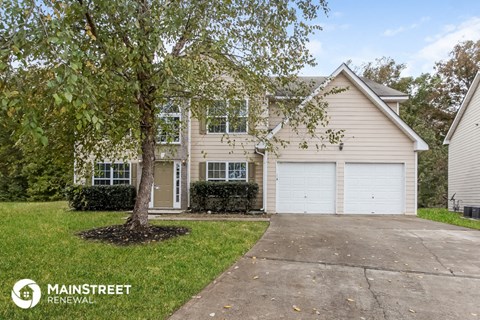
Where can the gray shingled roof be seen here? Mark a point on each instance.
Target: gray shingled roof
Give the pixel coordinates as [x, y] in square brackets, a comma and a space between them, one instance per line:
[381, 90]
[314, 82]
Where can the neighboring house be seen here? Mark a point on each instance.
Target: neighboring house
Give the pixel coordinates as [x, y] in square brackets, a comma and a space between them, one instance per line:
[374, 169]
[463, 140]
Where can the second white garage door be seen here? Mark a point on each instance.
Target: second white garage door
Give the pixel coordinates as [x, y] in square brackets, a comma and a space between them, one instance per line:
[305, 187]
[374, 188]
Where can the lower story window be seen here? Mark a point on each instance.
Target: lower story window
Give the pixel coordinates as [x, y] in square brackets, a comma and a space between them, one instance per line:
[106, 173]
[227, 171]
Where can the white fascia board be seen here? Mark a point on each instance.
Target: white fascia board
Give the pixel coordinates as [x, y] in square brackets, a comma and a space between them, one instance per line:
[463, 107]
[394, 99]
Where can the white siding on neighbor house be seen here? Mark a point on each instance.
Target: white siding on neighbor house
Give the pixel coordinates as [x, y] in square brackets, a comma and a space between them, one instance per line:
[464, 157]
[370, 137]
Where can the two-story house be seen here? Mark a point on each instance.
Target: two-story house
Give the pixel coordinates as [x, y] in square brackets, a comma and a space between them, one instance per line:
[372, 171]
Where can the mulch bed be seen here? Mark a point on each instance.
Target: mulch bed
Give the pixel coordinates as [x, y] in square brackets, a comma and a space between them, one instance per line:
[119, 235]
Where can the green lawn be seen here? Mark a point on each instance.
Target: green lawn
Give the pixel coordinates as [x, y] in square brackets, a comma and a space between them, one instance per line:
[445, 216]
[37, 242]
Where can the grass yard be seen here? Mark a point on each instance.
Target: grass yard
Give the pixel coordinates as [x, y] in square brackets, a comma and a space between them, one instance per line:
[445, 216]
[37, 242]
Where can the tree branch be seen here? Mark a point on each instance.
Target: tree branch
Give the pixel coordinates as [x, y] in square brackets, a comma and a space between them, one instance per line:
[183, 39]
[91, 24]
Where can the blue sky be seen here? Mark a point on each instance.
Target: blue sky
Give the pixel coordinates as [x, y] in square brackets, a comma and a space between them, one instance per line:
[417, 33]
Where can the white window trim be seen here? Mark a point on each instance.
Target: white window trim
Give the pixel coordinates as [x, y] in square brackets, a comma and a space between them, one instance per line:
[227, 123]
[111, 172]
[172, 115]
[177, 204]
[227, 179]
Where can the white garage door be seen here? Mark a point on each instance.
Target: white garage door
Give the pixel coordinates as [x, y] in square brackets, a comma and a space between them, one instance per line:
[305, 187]
[374, 188]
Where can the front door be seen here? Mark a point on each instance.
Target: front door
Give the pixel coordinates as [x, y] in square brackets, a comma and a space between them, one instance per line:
[163, 185]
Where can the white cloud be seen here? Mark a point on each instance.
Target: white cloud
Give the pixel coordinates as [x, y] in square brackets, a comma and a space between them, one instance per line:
[327, 27]
[442, 43]
[392, 32]
[395, 31]
[337, 14]
[315, 47]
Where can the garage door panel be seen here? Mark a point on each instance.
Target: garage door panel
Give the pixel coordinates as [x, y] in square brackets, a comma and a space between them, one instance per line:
[306, 187]
[374, 188]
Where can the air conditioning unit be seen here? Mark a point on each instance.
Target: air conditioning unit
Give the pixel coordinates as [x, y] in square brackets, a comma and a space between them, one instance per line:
[467, 212]
[476, 212]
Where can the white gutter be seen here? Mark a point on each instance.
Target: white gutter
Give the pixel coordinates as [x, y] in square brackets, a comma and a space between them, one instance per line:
[189, 152]
[264, 178]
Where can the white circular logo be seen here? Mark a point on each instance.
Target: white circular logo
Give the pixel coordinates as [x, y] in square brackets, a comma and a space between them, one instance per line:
[26, 293]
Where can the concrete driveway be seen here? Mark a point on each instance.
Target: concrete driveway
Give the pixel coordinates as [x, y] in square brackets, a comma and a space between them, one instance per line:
[349, 267]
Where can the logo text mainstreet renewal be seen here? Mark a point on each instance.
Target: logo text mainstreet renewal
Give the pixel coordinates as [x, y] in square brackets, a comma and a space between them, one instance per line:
[88, 289]
[82, 293]
[26, 293]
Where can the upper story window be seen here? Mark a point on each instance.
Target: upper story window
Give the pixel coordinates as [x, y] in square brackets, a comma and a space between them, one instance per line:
[227, 171]
[228, 117]
[169, 124]
[107, 174]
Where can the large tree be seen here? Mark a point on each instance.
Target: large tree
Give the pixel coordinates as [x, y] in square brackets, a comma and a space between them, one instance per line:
[108, 67]
[457, 74]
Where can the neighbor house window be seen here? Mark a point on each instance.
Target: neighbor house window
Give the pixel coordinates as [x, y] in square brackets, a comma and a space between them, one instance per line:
[169, 124]
[228, 117]
[106, 173]
[227, 171]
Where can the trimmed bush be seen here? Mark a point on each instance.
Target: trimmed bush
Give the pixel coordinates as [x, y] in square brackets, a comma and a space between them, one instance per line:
[101, 198]
[223, 196]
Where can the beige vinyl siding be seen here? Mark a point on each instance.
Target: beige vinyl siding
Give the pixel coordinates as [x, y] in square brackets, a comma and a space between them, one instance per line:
[209, 147]
[464, 157]
[370, 137]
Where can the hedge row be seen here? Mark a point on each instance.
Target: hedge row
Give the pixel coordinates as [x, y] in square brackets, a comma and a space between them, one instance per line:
[98, 198]
[223, 196]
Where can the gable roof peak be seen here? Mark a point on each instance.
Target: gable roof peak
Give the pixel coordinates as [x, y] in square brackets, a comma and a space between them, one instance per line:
[420, 144]
[463, 107]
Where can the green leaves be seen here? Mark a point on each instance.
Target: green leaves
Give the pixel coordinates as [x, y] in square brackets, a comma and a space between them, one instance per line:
[68, 96]
[57, 98]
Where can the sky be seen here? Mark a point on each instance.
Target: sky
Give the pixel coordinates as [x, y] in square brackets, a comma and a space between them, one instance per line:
[415, 32]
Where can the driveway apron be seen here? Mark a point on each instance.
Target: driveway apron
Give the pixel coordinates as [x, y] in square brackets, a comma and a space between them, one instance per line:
[349, 267]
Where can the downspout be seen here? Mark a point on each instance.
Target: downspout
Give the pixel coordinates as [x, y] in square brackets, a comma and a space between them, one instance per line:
[189, 153]
[264, 155]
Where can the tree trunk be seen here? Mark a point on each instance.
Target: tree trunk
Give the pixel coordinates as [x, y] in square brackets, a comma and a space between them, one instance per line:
[139, 218]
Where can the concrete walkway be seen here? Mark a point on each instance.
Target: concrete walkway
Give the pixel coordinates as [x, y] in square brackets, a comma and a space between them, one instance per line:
[203, 218]
[349, 267]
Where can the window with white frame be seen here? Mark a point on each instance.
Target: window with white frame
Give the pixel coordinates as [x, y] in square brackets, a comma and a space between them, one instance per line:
[228, 117]
[169, 124]
[106, 173]
[227, 171]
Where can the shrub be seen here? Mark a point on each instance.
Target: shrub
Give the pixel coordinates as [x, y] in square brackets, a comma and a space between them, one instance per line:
[223, 196]
[97, 198]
